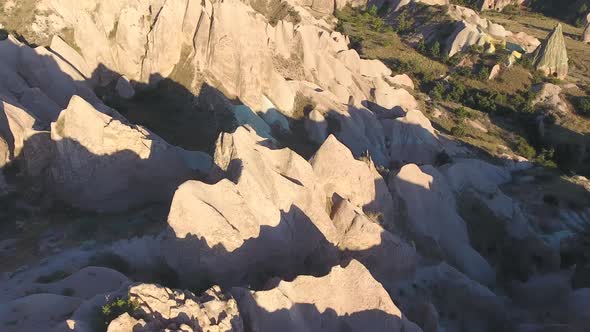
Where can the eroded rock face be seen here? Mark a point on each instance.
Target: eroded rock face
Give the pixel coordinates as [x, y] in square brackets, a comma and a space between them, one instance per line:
[358, 181]
[548, 97]
[270, 219]
[498, 4]
[412, 139]
[103, 163]
[310, 304]
[160, 308]
[434, 221]
[387, 256]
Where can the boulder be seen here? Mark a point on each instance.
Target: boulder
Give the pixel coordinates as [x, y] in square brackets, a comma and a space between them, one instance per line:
[548, 97]
[105, 164]
[358, 181]
[159, 307]
[310, 304]
[434, 222]
[586, 34]
[402, 80]
[388, 97]
[412, 139]
[551, 56]
[464, 35]
[494, 72]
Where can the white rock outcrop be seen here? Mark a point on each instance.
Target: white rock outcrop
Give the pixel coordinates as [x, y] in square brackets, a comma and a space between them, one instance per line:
[310, 304]
[434, 221]
[159, 308]
[105, 164]
[412, 139]
[358, 181]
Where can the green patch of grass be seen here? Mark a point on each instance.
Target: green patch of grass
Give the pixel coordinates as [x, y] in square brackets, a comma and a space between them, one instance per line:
[117, 307]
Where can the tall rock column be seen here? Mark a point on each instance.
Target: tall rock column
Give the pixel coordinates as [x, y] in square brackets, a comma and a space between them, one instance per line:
[551, 56]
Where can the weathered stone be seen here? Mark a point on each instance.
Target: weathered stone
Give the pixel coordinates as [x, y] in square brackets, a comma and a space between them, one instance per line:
[358, 181]
[159, 307]
[432, 217]
[412, 139]
[105, 164]
[124, 88]
[318, 307]
[551, 56]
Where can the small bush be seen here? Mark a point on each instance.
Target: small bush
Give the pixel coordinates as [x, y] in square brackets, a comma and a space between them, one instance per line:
[438, 92]
[463, 113]
[435, 49]
[459, 131]
[523, 148]
[583, 105]
[115, 308]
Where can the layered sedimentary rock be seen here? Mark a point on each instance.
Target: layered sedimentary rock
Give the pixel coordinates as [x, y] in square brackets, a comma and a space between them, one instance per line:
[551, 56]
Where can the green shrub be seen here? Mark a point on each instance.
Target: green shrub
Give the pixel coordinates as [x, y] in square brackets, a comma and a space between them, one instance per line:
[421, 46]
[459, 131]
[483, 74]
[523, 148]
[463, 113]
[438, 91]
[457, 92]
[583, 105]
[435, 49]
[117, 307]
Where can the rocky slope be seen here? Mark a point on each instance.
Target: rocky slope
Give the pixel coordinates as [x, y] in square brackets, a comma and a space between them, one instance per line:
[323, 198]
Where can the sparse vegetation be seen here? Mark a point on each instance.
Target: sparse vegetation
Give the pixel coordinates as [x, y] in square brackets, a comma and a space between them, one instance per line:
[117, 307]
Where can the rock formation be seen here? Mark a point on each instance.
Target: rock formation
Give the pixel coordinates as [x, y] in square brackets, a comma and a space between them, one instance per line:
[160, 308]
[386, 224]
[551, 56]
[586, 34]
[498, 4]
[94, 154]
[309, 304]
